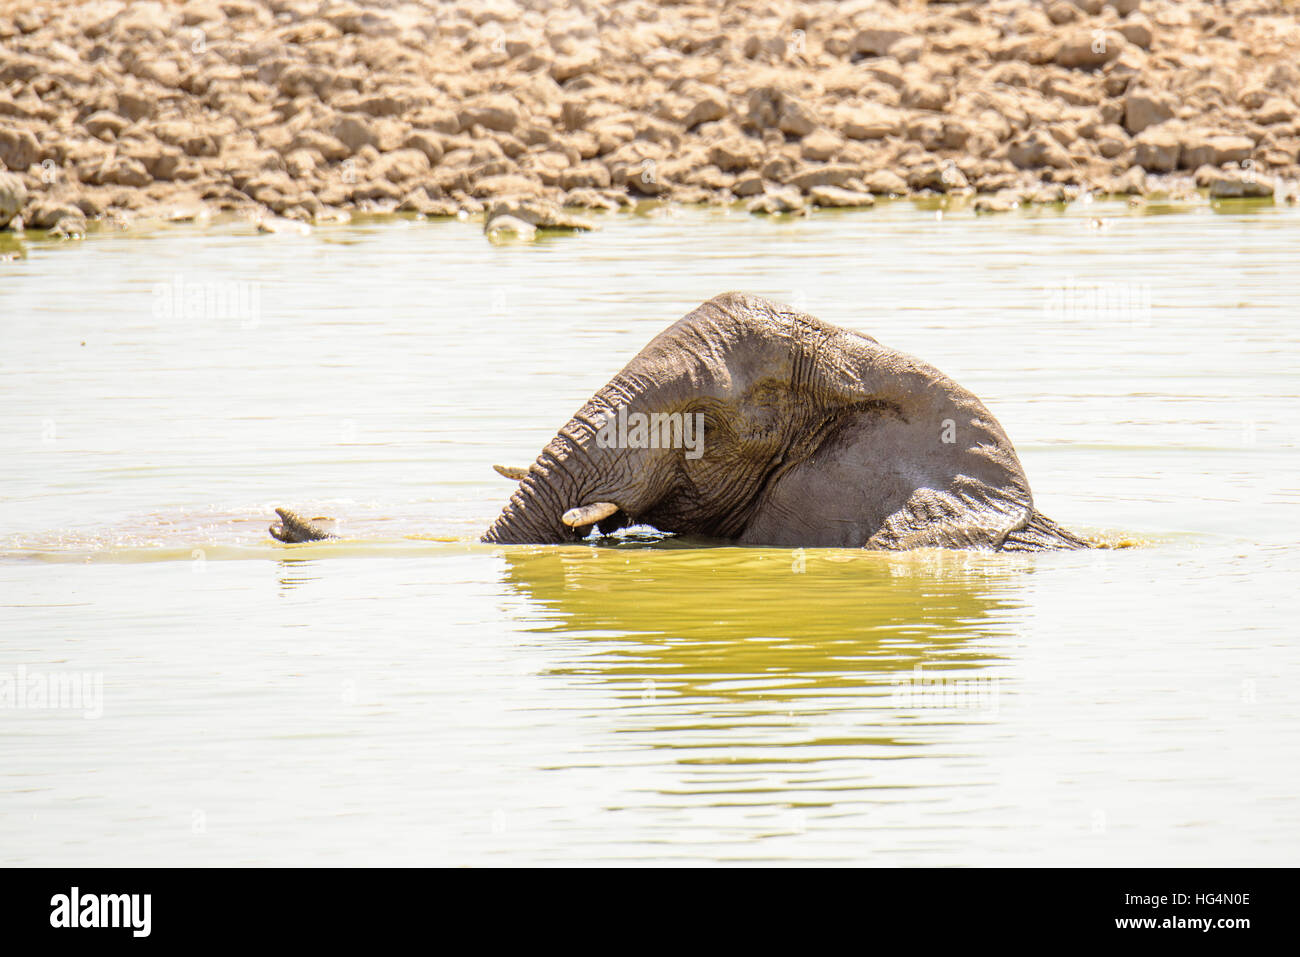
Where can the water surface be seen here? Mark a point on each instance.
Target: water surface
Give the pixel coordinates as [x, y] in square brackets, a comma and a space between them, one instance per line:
[411, 696]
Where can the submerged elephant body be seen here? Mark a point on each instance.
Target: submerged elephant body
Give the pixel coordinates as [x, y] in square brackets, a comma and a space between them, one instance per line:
[751, 423]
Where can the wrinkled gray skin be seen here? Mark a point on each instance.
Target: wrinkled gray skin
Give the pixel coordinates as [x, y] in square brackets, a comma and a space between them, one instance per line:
[813, 436]
[293, 528]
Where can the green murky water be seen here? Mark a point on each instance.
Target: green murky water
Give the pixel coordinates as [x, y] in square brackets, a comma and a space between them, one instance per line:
[399, 699]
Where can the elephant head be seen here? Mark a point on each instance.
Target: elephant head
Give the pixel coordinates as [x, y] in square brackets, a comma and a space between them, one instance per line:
[748, 422]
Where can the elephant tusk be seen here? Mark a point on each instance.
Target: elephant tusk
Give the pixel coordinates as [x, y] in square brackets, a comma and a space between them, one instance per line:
[588, 514]
[511, 472]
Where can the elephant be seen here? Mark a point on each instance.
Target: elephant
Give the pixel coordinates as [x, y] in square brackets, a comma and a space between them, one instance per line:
[749, 423]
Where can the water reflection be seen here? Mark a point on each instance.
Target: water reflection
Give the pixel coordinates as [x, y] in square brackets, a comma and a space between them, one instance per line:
[293, 573]
[735, 624]
[765, 693]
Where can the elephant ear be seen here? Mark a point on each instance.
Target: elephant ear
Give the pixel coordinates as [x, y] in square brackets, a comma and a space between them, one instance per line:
[970, 514]
[884, 480]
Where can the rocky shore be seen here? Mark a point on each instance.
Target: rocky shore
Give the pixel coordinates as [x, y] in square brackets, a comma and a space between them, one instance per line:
[522, 109]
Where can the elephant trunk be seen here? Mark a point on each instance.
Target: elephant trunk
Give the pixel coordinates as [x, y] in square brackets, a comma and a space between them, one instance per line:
[533, 514]
[571, 472]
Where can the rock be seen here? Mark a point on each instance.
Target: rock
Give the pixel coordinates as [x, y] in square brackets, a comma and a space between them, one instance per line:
[1061, 12]
[537, 212]
[1253, 97]
[908, 49]
[400, 166]
[261, 100]
[1070, 90]
[710, 178]
[18, 148]
[887, 71]
[1276, 110]
[1232, 185]
[498, 112]
[642, 177]
[585, 176]
[70, 227]
[188, 136]
[776, 202]
[1133, 182]
[549, 164]
[170, 165]
[511, 185]
[300, 163]
[148, 20]
[1048, 195]
[13, 197]
[46, 213]
[300, 79]
[1063, 133]
[748, 184]
[937, 133]
[1137, 30]
[383, 104]
[196, 12]
[770, 108]
[179, 214]
[279, 225]
[354, 132]
[330, 147]
[1145, 108]
[1038, 149]
[591, 199]
[368, 23]
[575, 114]
[707, 109]
[24, 106]
[875, 41]
[779, 168]
[504, 227]
[756, 46]
[50, 213]
[924, 95]
[1031, 49]
[105, 124]
[883, 182]
[736, 153]
[936, 175]
[1157, 150]
[796, 119]
[996, 177]
[1201, 149]
[418, 201]
[830, 175]
[869, 122]
[837, 198]
[1089, 49]
[1111, 141]
[1283, 75]
[123, 171]
[1205, 175]
[1003, 201]
[586, 60]
[821, 145]
[427, 142]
